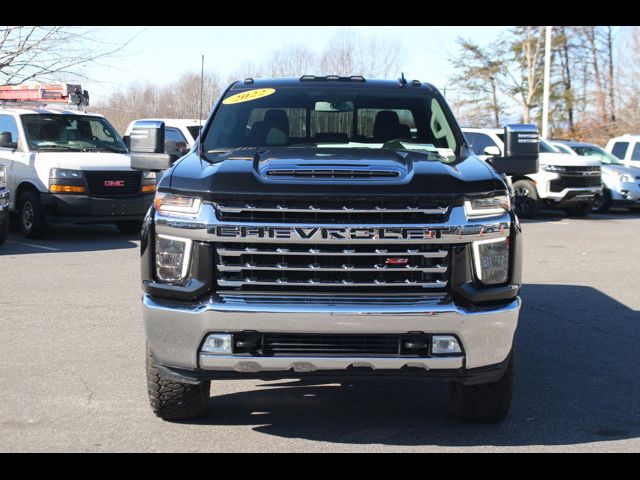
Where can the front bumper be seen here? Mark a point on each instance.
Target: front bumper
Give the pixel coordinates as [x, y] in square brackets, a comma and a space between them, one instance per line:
[175, 332]
[86, 209]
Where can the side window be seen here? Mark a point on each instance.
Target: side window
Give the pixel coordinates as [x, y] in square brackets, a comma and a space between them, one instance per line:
[620, 149]
[479, 141]
[8, 132]
[635, 155]
[174, 135]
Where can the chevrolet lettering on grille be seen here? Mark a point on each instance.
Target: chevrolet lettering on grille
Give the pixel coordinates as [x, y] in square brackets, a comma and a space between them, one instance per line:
[326, 233]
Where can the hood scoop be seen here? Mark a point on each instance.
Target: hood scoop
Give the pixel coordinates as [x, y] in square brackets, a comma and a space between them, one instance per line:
[346, 173]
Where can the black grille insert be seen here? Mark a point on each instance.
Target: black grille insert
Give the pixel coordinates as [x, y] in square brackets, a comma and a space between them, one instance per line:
[287, 344]
[113, 184]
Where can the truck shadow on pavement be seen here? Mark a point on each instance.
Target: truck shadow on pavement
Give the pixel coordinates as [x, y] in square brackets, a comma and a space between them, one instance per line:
[577, 382]
[69, 238]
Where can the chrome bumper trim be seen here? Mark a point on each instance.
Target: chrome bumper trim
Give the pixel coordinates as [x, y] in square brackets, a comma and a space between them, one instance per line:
[312, 364]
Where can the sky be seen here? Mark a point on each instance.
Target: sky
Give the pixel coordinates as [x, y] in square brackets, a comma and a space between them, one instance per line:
[162, 54]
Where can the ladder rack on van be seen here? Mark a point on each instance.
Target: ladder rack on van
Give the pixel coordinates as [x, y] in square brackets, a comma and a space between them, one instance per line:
[71, 95]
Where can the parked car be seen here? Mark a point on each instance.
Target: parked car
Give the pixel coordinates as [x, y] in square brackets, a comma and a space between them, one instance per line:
[621, 184]
[563, 181]
[70, 166]
[4, 205]
[626, 148]
[337, 247]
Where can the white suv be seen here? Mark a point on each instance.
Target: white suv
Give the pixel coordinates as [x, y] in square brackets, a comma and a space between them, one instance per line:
[70, 166]
[568, 182]
[626, 148]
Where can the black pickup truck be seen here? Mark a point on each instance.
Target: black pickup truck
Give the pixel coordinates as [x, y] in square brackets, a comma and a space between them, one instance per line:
[334, 226]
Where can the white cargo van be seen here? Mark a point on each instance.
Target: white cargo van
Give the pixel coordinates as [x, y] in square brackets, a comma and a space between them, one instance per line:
[65, 165]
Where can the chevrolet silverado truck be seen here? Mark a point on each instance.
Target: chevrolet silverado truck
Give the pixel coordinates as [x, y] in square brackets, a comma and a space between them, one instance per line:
[335, 227]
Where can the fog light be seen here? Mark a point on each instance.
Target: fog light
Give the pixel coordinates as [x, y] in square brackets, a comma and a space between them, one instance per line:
[441, 344]
[172, 258]
[492, 260]
[218, 344]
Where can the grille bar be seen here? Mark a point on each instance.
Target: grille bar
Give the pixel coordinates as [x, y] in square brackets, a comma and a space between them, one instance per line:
[275, 344]
[328, 173]
[230, 251]
[344, 268]
[314, 209]
[320, 283]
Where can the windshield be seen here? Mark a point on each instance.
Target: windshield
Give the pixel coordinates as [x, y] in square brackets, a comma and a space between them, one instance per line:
[547, 147]
[72, 133]
[598, 153]
[320, 117]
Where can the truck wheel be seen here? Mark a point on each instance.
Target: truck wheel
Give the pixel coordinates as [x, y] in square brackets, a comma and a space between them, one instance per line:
[580, 210]
[171, 400]
[603, 202]
[31, 218]
[527, 202]
[487, 402]
[131, 226]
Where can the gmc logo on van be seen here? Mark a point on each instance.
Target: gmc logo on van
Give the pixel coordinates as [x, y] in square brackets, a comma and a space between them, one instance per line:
[114, 183]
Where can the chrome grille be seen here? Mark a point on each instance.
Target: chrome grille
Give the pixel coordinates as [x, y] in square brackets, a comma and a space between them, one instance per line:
[330, 268]
[360, 213]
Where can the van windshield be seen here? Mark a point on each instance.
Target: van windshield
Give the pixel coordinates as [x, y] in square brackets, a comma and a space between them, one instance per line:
[80, 133]
[339, 117]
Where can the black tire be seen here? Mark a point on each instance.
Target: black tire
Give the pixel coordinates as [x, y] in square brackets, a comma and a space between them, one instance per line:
[171, 400]
[31, 217]
[4, 230]
[488, 402]
[603, 202]
[131, 226]
[527, 203]
[580, 210]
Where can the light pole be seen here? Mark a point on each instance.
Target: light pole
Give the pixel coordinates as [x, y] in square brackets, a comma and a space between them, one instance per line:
[545, 92]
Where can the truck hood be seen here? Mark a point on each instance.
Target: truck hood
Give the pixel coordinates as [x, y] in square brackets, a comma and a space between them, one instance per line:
[84, 160]
[567, 160]
[313, 172]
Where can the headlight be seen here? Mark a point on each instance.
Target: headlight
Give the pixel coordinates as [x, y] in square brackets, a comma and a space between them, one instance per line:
[172, 258]
[3, 176]
[63, 180]
[167, 203]
[491, 259]
[64, 173]
[149, 182]
[554, 168]
[626, 178]
[483, 207]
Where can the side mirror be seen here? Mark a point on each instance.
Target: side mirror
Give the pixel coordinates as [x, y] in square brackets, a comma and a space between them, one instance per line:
[5, 140]
[521, 150]
[148, 148]
[493, 150]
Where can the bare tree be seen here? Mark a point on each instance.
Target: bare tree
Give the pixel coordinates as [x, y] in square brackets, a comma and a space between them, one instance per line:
[291, 61]
[44, 53]
[348, 53]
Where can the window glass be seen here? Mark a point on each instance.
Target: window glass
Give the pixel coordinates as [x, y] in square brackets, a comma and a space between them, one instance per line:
[597, 153]
[620, 149]
[174, 135]
[635, 155]
[194, 131]
[479, 141]
[344, 117]
[71, 132]
[8, 125]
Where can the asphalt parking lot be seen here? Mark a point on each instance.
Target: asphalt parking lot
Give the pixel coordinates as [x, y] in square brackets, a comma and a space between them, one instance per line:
[72, 372]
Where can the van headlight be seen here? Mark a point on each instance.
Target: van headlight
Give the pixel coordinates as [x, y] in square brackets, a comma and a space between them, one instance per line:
[491, 260]
[483, 207]
[3, 177]
[177, 205]
[172, 258]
